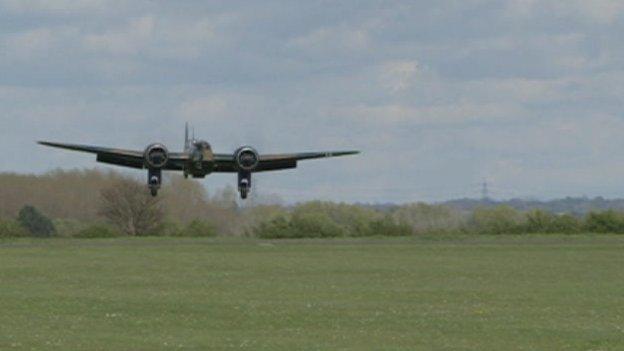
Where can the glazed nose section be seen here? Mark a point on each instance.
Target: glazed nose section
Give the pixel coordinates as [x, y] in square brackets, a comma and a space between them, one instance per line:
[197, 155]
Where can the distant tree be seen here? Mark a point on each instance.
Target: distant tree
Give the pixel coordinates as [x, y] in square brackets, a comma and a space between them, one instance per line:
[97, 230]
[276, 228]
[387, 226]
[69, 194]
[315, 225]
[35, 222]
[198, 228]
[567, 224]
[425, 218]
[539, 221]
[226, 198]
[605, 222]
[353, 220]
[129, 206]
[11, 229]
[299, 225]
[496, 220]
[186, 200]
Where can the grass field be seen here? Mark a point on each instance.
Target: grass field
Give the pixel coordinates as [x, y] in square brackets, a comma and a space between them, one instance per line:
[482, 293]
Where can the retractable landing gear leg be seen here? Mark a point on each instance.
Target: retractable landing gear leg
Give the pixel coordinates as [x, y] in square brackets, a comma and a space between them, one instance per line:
[244, 184]
[154, 181]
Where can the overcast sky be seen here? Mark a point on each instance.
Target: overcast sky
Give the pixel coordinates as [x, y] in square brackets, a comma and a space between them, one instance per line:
[438, 94]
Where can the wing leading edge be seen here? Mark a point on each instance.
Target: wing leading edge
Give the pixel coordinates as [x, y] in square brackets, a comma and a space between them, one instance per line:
[120, 157]
[274, 162]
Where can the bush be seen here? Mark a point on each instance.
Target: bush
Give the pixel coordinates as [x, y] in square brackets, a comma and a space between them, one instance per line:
[35, 222]
[198, 228]
[352, 220]
[11, 229]
[425, 218]
[539, 221]
[97, 231]
[68, 227]
[567, 224]
[299, 225]
[498, 220]
[168, 228]
[319, 225]
[389, 227]
[254, 216]
[276, 228]
[314, 225]
[605, 222]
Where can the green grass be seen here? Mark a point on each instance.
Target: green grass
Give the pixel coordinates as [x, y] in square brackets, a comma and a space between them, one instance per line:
[471, 293]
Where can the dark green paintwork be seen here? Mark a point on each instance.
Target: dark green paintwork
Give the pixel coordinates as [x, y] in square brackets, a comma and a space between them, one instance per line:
[179, 161]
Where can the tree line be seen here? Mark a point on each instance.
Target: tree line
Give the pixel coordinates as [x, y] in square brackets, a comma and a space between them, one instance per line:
[96, 204]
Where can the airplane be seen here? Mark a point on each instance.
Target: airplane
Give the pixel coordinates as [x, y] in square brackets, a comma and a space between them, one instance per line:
[197, 160]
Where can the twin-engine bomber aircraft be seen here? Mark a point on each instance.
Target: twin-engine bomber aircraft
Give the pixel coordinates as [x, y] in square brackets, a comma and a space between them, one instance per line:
[197, 160]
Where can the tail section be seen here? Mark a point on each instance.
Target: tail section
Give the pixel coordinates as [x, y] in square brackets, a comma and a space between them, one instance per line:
[187, 141]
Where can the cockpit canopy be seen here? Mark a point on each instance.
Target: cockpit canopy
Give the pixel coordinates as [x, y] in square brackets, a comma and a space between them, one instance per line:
[202, 145]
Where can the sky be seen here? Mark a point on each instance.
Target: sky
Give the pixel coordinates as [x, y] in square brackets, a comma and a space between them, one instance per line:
[439, 95]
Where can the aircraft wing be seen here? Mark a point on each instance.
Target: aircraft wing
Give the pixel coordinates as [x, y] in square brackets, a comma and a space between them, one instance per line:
[120, 157]
[274, 162]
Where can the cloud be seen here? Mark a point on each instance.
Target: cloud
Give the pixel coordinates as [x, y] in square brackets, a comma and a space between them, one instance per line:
[397, 76]
[156, 38]
[458, 114]
[339, 40]
[55, 6]
[129, 40]
[205, 109]
[596, 11]
[37, 43]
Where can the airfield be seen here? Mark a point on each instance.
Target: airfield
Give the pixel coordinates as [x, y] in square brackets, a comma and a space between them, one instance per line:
[529, 292]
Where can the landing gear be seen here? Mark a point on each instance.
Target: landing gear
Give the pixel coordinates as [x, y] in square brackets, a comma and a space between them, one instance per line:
[154, 181]
[244, 184]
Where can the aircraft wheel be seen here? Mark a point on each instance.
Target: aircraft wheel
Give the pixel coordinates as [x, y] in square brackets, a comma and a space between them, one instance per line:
[243, 194]
[154, 192]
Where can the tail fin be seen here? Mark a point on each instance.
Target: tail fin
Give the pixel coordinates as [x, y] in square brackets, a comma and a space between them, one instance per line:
[187, 142]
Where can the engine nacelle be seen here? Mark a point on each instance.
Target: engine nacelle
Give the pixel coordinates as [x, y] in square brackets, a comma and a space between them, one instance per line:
[247, 158]
[156, 156]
